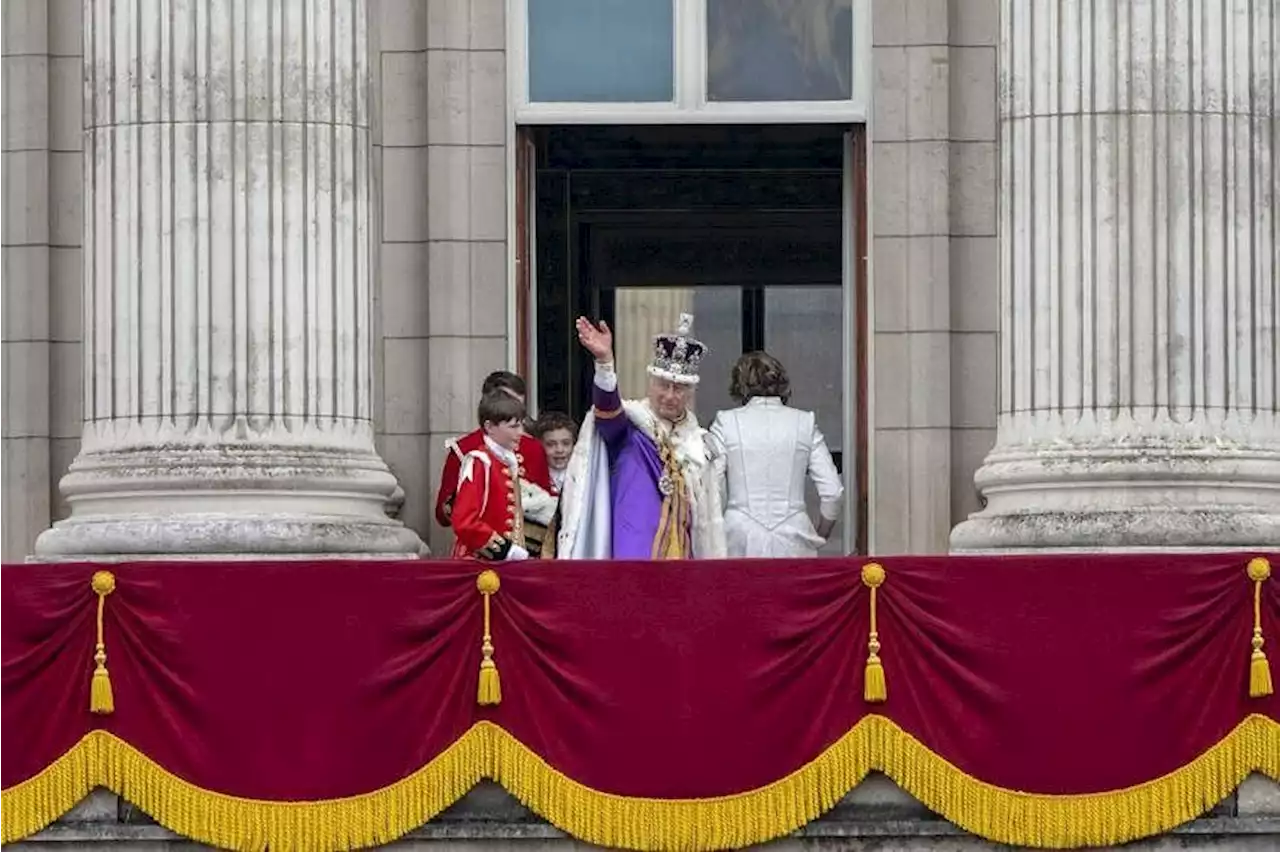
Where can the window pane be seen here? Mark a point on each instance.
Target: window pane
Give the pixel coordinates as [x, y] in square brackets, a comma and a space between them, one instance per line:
[802, 329]
[589, 51]
[640, 313]
[779, 50]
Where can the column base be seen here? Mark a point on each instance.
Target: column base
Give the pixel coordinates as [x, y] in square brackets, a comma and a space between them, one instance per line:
[225, 536]
[234, 500]
[1223, 528]
[1127, 492]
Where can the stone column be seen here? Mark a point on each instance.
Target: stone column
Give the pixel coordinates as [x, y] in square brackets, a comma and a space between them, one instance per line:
[1139, 253]
[227, 286]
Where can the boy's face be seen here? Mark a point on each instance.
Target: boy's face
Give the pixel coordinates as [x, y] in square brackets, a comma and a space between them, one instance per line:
[559, 446]
[506, 434]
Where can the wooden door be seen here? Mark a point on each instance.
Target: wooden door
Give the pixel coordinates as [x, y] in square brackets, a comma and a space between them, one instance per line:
[524, 280]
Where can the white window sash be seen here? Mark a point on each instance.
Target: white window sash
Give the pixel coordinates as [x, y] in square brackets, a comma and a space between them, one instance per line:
[690, 105]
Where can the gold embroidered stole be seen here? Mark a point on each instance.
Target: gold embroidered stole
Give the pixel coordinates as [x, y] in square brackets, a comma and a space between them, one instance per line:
[672, 540]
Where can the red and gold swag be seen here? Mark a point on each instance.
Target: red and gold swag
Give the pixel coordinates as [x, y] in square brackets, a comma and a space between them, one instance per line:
[1048, 701]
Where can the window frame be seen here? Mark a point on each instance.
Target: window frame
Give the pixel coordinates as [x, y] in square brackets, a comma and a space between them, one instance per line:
[690, 105]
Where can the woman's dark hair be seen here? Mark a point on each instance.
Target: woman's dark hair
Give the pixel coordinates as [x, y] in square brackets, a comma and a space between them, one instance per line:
[759, 374]
[503, 380]
[550, 421]
[498, 406]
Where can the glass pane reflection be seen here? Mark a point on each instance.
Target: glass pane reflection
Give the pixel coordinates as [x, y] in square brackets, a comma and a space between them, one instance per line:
[803, 328]
[601, 51]
[779, 50]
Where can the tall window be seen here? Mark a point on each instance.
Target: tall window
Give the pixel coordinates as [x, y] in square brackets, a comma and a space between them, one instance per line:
[690, 60]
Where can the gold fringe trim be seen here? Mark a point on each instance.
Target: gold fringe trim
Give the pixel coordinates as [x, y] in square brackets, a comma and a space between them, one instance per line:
[101, 759]
[726, 822]
[876, 743]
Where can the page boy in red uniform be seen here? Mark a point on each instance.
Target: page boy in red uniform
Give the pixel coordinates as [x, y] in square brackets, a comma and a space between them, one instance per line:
[488, 511]
[538, 494]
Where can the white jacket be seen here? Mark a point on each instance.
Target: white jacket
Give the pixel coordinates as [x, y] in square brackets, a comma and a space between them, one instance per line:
[764, 451]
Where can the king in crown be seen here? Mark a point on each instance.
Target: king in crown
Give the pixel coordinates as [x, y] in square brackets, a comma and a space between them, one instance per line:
[639, 484]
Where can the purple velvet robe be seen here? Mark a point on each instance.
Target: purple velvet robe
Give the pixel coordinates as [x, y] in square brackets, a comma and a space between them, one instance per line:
[635, 469]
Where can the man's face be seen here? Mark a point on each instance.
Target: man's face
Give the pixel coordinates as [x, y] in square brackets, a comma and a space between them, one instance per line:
[505, 435]
[668, 399]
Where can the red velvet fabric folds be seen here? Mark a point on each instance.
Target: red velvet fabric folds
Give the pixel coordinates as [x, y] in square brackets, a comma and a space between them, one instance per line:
[303, 681]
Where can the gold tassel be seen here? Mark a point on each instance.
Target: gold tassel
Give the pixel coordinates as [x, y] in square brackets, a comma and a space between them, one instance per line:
[489, 692]
[101, 700]
[1259, 669]
[873, 687]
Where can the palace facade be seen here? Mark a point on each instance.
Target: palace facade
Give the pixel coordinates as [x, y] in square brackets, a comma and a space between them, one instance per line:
[1021, 256]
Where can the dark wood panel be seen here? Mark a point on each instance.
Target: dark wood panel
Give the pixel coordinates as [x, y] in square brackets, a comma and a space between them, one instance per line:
[524, 179]
[735, 146]
[862, 329]
[690, 256]
[555, 309]
[716, 190]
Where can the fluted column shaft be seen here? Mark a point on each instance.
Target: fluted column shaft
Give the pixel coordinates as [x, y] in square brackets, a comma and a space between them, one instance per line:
[227, 283]
[1140, 309]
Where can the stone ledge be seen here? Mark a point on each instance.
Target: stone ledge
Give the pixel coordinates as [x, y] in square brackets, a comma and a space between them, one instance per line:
[1228, 834]
[877, 815]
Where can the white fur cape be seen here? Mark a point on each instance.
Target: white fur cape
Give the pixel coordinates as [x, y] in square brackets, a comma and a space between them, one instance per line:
[586, 523]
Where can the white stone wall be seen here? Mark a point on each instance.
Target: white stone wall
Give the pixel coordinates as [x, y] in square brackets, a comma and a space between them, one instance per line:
[934, 261]
[42, 215]
[441, 261]
[25, 129]
[444, 222]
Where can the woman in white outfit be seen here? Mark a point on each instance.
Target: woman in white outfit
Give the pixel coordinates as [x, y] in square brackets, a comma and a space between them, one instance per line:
[764, 452]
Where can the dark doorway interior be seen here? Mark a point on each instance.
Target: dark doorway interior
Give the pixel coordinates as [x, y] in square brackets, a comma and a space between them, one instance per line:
[743, 226]
[747, 217]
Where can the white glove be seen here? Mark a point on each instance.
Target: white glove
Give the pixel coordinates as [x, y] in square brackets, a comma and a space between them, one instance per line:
[516, 554]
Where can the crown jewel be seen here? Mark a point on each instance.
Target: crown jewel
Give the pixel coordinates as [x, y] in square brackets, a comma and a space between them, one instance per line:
[677, 357]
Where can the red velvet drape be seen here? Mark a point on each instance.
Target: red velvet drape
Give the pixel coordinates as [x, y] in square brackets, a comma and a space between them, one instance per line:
[298, 681]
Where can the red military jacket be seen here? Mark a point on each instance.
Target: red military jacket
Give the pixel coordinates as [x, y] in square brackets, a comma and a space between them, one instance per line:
[488, 518]
[530, 454]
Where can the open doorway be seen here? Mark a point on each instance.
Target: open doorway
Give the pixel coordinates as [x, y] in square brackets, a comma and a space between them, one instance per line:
[749, 228]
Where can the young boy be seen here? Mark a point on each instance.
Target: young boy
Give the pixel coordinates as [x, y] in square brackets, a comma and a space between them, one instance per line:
[539, 499]
[558, 433]
[488, 515]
